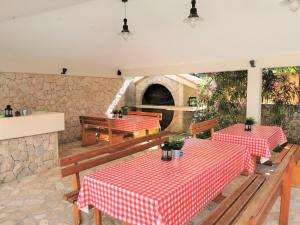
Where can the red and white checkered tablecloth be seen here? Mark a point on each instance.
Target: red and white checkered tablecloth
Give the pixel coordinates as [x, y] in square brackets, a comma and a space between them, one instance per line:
[148, 191]
[260, 141]
[132, 123]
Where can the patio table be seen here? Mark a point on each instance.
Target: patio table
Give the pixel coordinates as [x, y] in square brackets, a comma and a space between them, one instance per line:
[148, 191]
[132, 123]
[260, 141]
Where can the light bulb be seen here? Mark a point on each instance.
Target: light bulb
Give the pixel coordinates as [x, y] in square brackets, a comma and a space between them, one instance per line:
[125, 34]
[192, 21]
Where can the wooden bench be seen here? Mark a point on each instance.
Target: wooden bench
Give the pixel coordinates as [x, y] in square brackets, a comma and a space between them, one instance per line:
[96, 128]
[296, 167]
[150, 114]
[207, 125]
[253, 200]
[73, 165]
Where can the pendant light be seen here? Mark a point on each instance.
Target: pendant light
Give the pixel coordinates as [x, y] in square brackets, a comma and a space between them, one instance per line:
[193, 18]
[125, 33]
[294, 5]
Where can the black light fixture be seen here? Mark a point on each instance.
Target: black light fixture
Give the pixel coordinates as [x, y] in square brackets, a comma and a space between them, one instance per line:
[64, 71]
[119, 73]
[252, 63]
[193, 18]
[125, 33]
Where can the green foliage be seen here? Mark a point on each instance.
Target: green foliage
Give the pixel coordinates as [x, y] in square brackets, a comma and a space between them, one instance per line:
[278, 89]
[277, 86]
[228, 101]
[176, 142]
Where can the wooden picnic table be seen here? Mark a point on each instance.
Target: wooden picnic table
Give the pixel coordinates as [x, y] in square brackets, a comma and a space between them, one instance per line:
[146, 190]
[129, 123]
[116, 128]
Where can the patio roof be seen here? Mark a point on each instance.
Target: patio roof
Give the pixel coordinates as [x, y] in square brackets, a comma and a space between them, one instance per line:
[44, 36]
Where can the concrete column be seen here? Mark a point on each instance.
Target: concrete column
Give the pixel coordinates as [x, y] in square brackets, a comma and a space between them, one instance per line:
[254, 89]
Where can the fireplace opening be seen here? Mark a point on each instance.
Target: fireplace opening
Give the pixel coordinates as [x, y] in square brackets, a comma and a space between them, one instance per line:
[159, 95]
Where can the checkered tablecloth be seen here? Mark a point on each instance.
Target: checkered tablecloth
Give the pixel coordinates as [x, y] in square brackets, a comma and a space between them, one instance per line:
[260, 141]
[148, 191]
[132, 123]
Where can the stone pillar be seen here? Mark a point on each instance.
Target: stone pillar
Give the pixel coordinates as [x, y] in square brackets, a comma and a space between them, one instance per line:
[254, 89]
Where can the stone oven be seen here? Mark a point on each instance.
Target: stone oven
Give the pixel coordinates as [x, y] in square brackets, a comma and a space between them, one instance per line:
[168, 94]
[159, 95]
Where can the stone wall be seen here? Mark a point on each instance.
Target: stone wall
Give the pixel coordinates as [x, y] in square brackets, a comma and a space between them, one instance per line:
[21, 157]
[72, 95]
[292, 129]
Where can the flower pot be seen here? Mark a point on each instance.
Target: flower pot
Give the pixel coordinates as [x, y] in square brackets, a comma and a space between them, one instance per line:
[177, 153]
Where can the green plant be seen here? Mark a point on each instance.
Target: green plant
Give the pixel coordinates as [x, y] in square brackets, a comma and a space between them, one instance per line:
[228, 101]
[176, 142]
[250, 121]
[281, 92]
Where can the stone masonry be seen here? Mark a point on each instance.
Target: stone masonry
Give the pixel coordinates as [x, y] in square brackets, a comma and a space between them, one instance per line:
[181, 93]
[292, 129]
[25, 156]
[72, 95]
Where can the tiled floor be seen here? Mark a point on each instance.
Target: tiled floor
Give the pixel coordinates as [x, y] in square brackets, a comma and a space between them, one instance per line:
[37, 200]
[74, 148]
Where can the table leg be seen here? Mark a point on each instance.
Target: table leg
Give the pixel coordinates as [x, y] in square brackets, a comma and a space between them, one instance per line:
[98, 217]
[254, 160]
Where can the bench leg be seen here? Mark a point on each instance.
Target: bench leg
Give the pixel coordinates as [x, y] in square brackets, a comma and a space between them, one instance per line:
[98, 217]
[77, 215]
[254, 160]
[286, 197]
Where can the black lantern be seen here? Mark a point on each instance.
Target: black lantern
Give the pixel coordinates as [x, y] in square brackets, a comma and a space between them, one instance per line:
[8, 112]
[120, 114]
[248, 124]
[115, 113]
[166, 152]
[248, 127]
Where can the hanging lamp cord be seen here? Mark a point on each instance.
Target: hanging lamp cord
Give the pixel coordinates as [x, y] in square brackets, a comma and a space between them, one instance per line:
[125, 9]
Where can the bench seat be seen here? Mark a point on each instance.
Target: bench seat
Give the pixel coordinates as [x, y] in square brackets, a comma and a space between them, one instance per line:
[251, 203]
[296, 167]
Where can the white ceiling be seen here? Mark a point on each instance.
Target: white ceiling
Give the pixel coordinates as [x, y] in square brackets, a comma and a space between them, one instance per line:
[43, 35]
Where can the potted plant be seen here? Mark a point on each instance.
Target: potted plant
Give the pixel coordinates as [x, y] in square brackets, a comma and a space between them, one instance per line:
[248, 124]
[176, 143]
